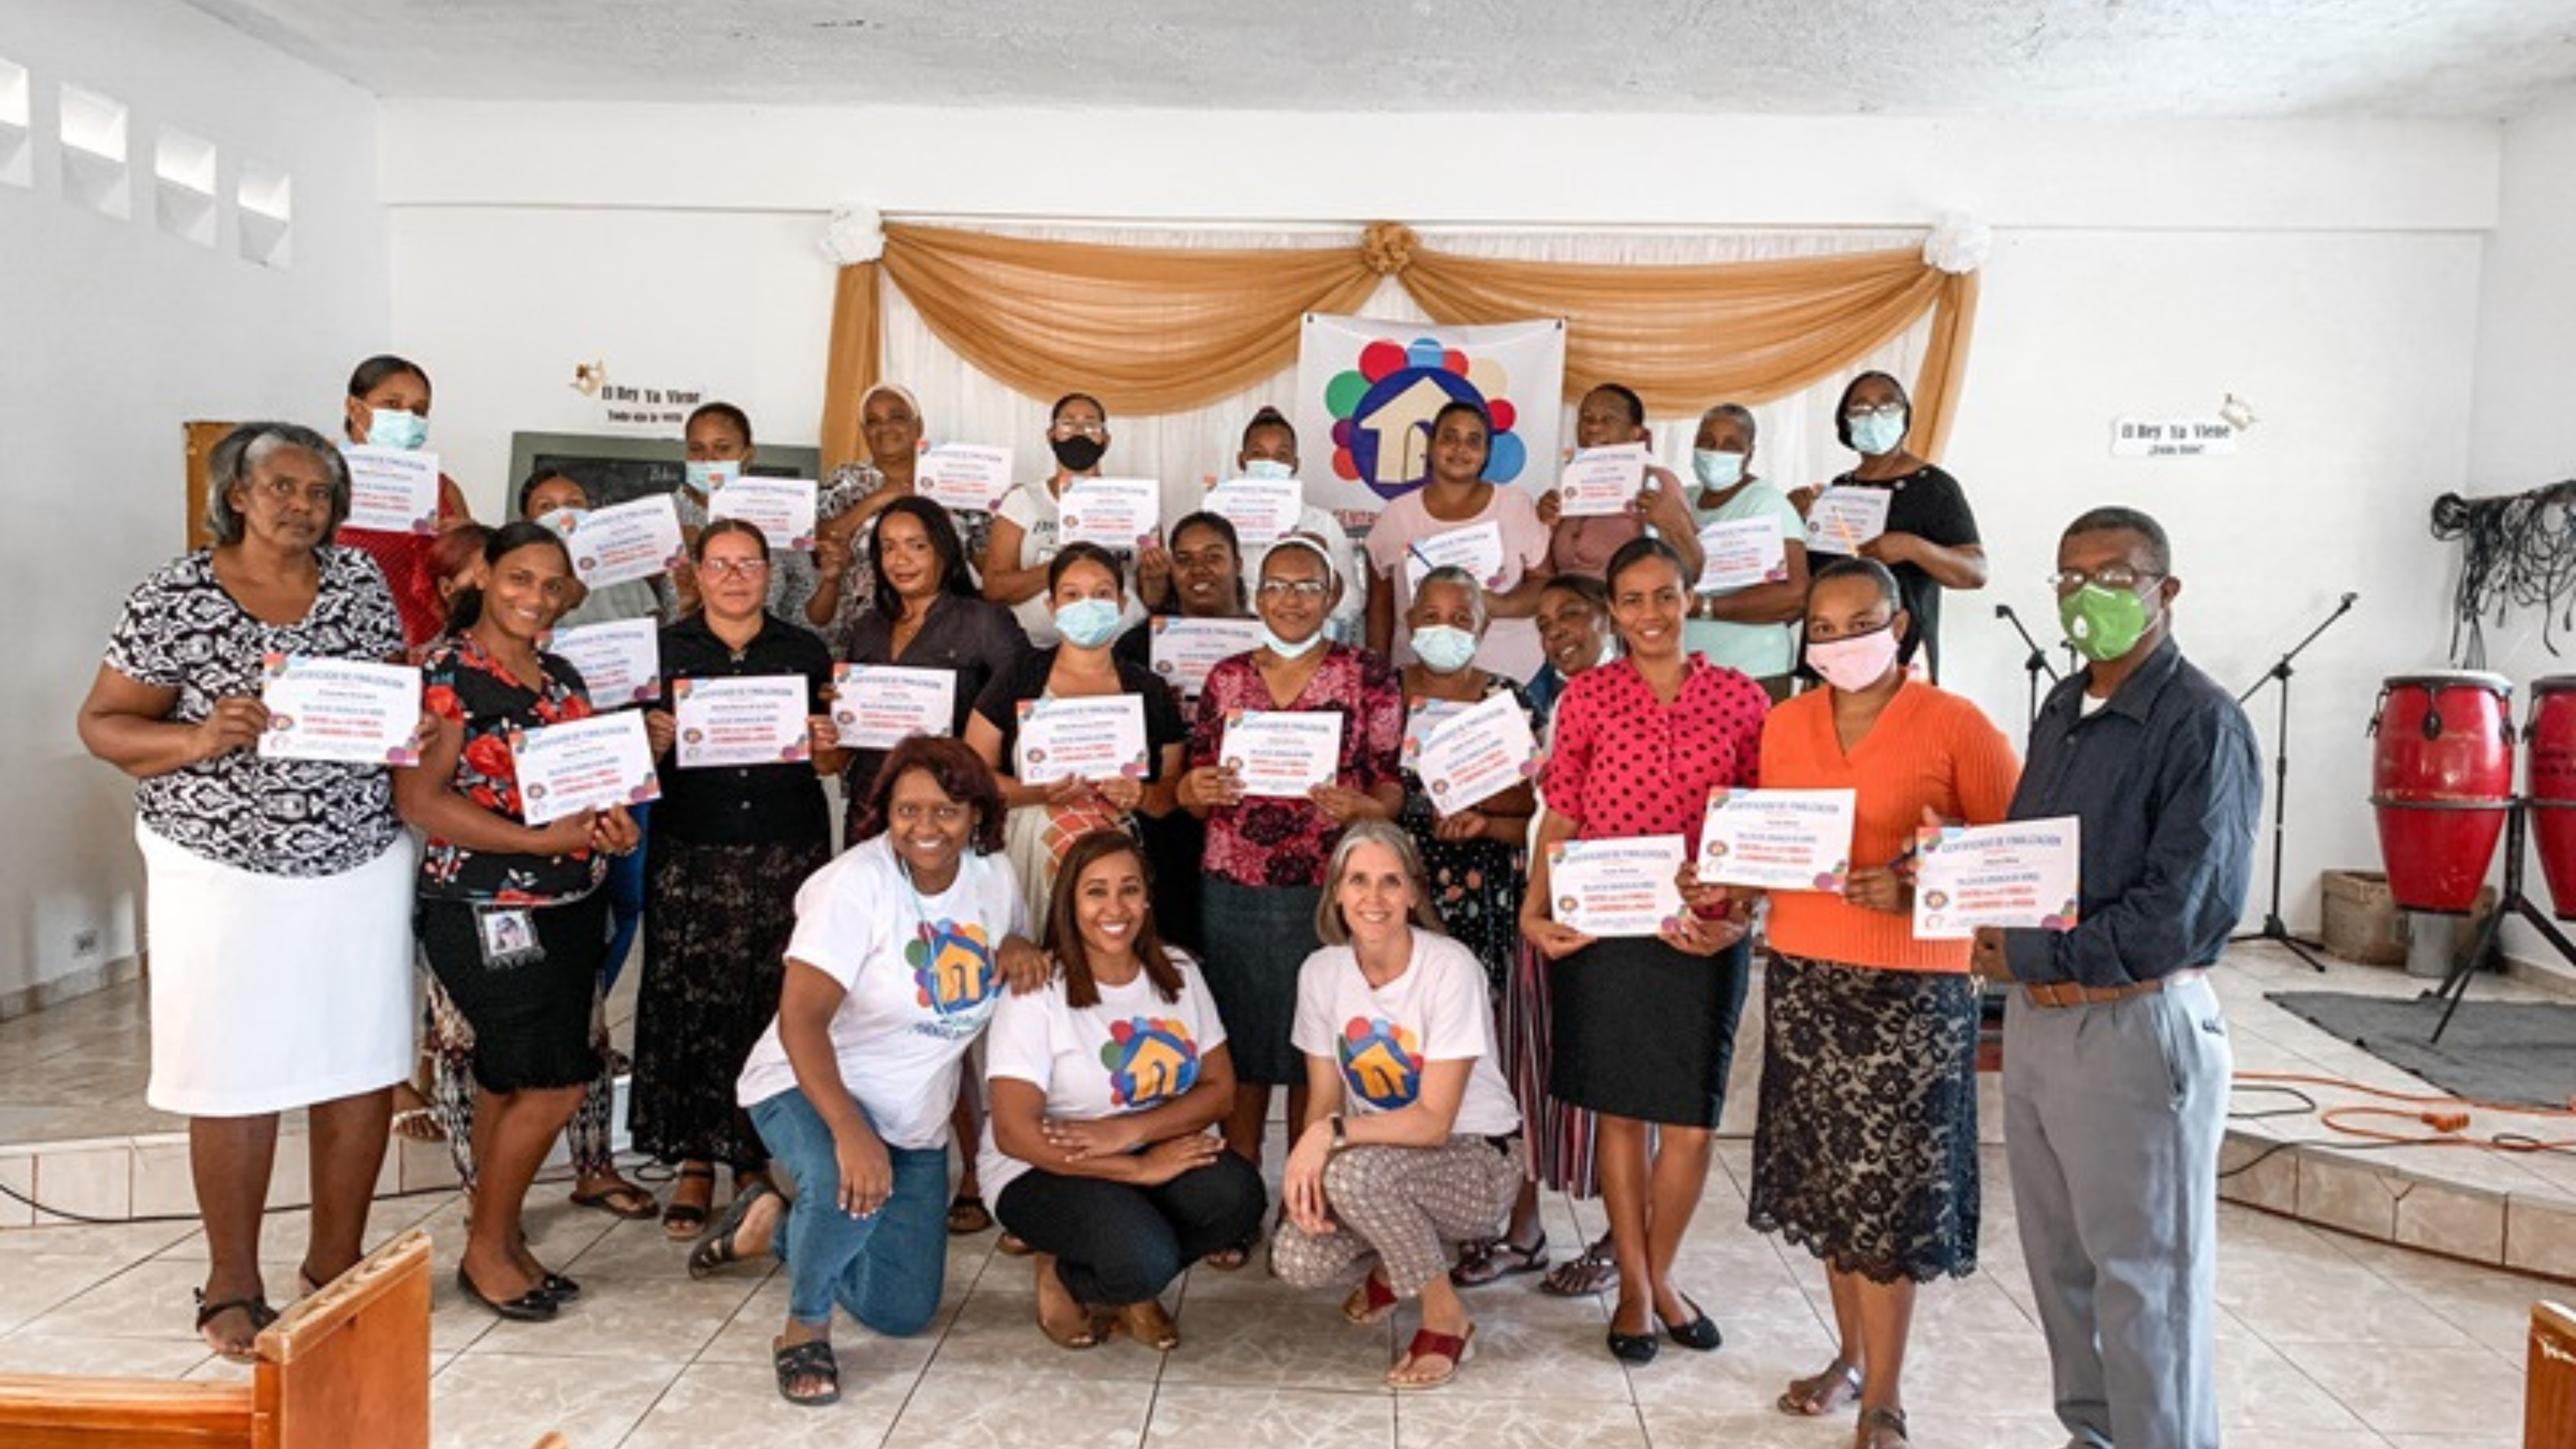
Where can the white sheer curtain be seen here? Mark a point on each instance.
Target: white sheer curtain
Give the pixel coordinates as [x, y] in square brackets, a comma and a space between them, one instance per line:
[1186, 451]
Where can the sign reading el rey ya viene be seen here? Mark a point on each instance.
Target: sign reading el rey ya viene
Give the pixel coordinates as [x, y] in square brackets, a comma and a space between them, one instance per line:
[2172, 438]
[1368, 389]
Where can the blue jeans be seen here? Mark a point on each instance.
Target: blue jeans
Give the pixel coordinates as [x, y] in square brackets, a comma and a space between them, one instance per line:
[886, 1269]
[625, 900]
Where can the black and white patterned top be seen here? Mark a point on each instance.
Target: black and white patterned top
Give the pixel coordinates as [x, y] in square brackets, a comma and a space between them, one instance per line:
[182, 631]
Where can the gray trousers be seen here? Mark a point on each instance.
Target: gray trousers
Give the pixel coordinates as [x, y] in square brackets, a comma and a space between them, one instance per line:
[2112, 1120]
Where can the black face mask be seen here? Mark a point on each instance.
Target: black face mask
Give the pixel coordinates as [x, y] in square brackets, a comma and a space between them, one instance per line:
[1079, 453]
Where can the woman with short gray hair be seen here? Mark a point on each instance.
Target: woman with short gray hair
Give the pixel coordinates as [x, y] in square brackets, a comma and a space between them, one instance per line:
[279, 920]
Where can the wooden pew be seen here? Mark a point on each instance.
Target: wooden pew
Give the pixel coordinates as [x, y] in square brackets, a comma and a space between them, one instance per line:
[348, 1366]
[2549, 1388]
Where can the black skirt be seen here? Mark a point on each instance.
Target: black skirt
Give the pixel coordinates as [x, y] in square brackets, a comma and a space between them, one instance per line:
[1640, 1030]
[530, 1009]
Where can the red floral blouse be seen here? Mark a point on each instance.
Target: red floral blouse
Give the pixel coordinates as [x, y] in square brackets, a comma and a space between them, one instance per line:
[460, 681]
[1269, 842]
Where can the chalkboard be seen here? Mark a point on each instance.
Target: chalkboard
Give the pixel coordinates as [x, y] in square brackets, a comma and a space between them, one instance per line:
[619, 469]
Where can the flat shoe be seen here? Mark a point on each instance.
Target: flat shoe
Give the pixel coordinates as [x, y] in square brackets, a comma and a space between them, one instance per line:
[1633, 1347]
[534, 1306]
[1150, 1325]
[1699, 1334]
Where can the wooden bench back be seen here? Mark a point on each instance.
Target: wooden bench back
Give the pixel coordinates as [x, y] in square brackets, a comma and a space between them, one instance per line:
[2549, 1389]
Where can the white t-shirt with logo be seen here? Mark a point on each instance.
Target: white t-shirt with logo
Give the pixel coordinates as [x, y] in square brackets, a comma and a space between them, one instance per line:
[921, 979]
[1132, 1052]
[1381, 1038]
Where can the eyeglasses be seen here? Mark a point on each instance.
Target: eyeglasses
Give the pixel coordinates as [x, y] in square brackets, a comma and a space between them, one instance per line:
[1070, 427]
[2108, 576]
[947, 812]
[1300, 588]
[1858, 411]
[734, 568]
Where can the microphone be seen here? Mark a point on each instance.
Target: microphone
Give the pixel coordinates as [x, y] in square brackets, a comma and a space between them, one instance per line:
[2348, 598]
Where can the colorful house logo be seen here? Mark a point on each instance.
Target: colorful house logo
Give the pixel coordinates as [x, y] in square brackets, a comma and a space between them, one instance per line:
[953, 967]
[1383, 408]
[1150, 1060]
[1381, 1062]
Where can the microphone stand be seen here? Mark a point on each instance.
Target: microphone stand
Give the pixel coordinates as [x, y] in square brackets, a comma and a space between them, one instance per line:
[2273, 928]
[2035, 665]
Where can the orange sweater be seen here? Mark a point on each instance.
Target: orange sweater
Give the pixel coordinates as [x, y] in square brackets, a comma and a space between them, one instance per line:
[1927, 748]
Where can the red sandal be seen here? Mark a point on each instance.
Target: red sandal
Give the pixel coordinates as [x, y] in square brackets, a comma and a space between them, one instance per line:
[1455, 1347]
[1370, 1302]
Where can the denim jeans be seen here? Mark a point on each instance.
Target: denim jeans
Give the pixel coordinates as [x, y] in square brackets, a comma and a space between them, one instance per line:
[625, 900]
[886, 1268]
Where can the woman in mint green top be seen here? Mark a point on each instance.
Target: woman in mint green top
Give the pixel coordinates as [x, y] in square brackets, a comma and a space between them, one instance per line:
[1746, 628]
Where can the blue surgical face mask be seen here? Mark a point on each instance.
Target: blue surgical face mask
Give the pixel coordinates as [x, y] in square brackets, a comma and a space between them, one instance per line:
[1443, 649]
[1877, 433]
[1717, 468]
[1286, 650]
[1269, 468]
[394, 428]
[1087, 623]
[704, 477]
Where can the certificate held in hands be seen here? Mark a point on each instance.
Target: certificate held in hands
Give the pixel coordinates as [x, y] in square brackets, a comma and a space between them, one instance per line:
[963, 477]
[1781, 840]
[1477, 548]
[1262, 510]
[626, 541]
[1184, 650]
[1477, 754]
[1115, 513]
[1609, 888]
[2021, 874]
[1740, 553]
[879, 706]
[1282, 753]
[391, 490]
[1842, 519]
[349, 711]
[1601, 482]
[588, 764]
[620, 662]
[758, 720]
[1096, 737]
[781, 508]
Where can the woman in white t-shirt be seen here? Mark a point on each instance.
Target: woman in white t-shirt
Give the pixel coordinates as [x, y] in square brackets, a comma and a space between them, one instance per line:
[900, 953]
[1103, 1086]
[1407, 1140]
[1028, 522]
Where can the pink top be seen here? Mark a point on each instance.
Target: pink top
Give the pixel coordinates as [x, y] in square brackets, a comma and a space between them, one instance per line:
[1627, 764]
[1273, 842]
[1511, 645]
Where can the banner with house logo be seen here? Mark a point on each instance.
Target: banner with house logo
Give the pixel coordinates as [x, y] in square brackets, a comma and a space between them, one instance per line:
[1368, 389]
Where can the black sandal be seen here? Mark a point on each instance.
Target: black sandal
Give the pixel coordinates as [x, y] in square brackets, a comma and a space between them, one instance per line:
[1875, 1421]
[967, 1215]
[1585, 1275]
[717, 1248]
[811, 1359]
[255, 1308]
[1484, 1262]
[682, 1221]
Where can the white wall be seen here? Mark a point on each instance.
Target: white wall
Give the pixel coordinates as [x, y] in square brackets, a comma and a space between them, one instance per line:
[2327, 272]
[116, 334]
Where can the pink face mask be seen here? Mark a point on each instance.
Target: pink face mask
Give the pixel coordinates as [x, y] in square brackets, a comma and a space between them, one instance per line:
[1855, 663]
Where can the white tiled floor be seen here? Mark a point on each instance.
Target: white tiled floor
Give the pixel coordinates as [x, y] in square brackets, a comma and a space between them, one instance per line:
[2325, 1340]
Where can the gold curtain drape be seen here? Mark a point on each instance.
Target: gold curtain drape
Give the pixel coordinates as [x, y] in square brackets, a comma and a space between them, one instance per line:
[1160, 329]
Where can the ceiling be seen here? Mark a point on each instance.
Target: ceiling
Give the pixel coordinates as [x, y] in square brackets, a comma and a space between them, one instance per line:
[2088, 58]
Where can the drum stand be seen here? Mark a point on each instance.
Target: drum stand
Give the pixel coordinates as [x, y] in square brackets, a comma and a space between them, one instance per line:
[2455, 985]
[2035, 665]
[2274, 929]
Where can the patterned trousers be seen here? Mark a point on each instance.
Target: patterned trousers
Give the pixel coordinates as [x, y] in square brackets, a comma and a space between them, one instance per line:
[1399, 1208]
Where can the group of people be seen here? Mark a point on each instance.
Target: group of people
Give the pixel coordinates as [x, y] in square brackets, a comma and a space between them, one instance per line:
[1094, 985]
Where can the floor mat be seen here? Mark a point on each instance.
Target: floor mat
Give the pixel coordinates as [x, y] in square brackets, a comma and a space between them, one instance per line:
[2519, 1053]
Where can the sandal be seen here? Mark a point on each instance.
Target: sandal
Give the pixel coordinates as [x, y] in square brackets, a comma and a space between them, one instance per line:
[810, 1362]
[1150, 1325]
[1482, 1262]
[720, 1245]
[1232, 1257]
[1593, 1271]
[682, 1221]
[1831, 1388]
[417, 1124]
[1455, 1347]
[1876, 1425]
[255, 1308]
[620, 1200]
[1065, 1320]
[967, 1215]
[1370, 1302]
[1012, 1245]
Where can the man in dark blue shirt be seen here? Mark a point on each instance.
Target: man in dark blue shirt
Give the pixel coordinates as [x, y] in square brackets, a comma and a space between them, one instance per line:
[2116, 1061]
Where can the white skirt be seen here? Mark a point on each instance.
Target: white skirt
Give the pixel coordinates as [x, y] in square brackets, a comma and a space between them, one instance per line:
[271, 992]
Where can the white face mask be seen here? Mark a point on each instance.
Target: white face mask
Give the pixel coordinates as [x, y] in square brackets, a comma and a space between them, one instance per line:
[1268, 468]
[1287, 650]
[1717, 468]
[1856, 663]
[1444, 649]
[1877, 434]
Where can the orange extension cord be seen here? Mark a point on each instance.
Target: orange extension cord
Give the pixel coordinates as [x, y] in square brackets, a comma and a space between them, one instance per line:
[2447, 1117]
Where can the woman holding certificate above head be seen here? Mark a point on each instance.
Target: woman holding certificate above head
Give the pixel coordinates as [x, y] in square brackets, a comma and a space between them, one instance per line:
[730, 845]
[1406, 1144]
[512, 917]
[1612, 417]
[1078, 740]
[1291, 742]
[388, 408]
[1104, 1084]
[1028, 526]
[1456, 517]
[1866, 1149]
[1645, 993]
[1750, 594]
[899, 957]
[1897, 510]
[280, 886]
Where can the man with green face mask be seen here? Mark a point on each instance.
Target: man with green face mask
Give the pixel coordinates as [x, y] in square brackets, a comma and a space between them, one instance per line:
[2116, 1060]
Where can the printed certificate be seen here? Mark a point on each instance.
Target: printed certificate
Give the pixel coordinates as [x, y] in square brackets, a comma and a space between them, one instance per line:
[626, 541]
[1262, 510]
[1184, 650]
[620, 662]
[2020, 874]
[1095, 738]
[1282, 753]
[1477, 754]
[391, 490]
[1115, 513]
[879, 706]
[1421, 717]
[1601, 482]
[963, 476]
[1616, 887]
[757, 720]
[1477, 548]
[1742, 552]
[349, 710]
[588, 764]
[1782, 840]
[781, 508]
[1842, 519]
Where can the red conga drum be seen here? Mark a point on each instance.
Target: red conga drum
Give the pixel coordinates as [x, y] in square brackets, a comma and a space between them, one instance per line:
[2442, 781]
[2549, 778]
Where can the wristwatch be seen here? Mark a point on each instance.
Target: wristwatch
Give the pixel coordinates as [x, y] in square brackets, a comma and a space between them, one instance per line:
[1341, 1132]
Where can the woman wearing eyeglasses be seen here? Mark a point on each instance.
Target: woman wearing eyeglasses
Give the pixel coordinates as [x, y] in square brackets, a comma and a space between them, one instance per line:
[1024, 538]
[1264, 868]
[1931, 541]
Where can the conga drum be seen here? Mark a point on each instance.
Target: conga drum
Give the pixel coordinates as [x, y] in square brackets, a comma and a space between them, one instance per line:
[2442, 783]
[2549, 779]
